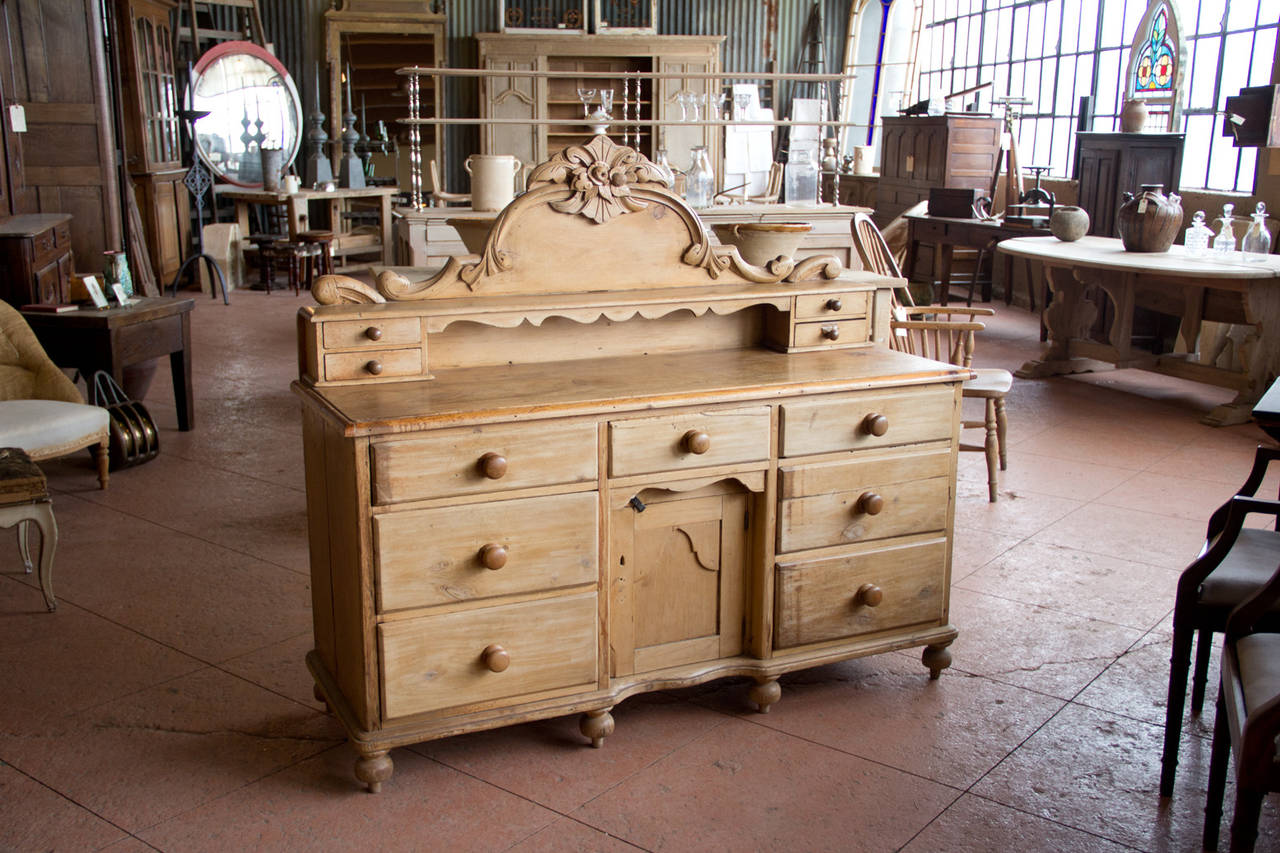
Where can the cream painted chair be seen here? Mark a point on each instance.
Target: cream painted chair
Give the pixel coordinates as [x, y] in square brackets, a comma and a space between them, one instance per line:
[438, 194]
[41, 410]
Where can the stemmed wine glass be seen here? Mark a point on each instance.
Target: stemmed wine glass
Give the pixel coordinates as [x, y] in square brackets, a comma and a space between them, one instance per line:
[741, 100]
[585, 95]
[682, 98]
[717, 100]
[606, 101]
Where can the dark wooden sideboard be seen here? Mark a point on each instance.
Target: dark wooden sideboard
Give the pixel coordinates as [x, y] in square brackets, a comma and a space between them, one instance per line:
[35, 251]
[1107, 165]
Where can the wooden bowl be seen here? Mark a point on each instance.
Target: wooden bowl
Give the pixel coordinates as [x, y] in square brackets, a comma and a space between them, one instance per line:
[761, 242]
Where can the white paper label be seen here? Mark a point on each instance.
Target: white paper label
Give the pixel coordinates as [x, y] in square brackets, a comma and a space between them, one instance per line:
[1142, 205]
[17, 118]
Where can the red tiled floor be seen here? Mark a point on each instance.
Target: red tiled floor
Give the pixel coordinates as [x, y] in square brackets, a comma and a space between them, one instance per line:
[165, 705]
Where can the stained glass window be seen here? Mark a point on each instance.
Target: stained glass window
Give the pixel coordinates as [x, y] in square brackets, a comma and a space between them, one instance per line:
[1155, 70]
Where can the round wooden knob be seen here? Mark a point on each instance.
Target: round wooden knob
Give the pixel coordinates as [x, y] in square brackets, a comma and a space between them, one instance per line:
[374, 367]
[493, 556]
[870, 503]
[493, 465]
[875, 424]
[495, 658]
[831, 332]
[373, 333]
[869, 594]
[696, 441]
[835, 304]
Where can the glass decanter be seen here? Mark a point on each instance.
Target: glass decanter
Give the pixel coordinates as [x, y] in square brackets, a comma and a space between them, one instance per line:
[699, 180]
[1225, 243]
[800, 179]
[1256, 244]
[1198, 236]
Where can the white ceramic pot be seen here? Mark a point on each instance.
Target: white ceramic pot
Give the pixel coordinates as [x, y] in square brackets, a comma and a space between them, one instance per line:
[761, 242]
[493, 180]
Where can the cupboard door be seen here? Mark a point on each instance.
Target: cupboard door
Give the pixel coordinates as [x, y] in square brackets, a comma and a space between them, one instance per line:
[679, 570]
[513, 97]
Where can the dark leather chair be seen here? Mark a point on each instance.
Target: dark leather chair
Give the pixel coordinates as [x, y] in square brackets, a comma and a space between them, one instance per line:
[1248, 716]
[1233, 564]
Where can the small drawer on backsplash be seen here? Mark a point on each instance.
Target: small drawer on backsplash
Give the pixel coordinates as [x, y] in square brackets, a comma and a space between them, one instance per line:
[832, 332]
[373, 364]
[836, 305]
[348, 334]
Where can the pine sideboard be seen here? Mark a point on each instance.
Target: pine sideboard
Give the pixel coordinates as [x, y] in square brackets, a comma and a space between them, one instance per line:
[606, 457]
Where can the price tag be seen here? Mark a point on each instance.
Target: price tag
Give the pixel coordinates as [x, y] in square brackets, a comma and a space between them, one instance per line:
[1142, 205]
[17, 118]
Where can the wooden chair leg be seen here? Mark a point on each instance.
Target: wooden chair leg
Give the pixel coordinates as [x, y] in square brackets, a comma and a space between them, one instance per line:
[1217, 777]
[1001, 427]
[1200, 675]
[1179, 668]
[992, 448]
[102, 456]
[1244, 822]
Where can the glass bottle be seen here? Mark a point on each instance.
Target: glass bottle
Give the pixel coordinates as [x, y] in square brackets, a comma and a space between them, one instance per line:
[1198, 236]
[1256, 244]
[662, 162]
[1225, 243]
[699, 180]
[801, 179]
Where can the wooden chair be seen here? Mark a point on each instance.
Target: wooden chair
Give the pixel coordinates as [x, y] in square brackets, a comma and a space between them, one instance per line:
[1233, 564]
[438, 193]
[772, 190]
[24, 500]
[932, 331]
[1248, 711]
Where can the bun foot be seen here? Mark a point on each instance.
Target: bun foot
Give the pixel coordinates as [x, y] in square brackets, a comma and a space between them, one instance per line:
[374, 769]
[764, 693]
[937, 658]
[596, 725]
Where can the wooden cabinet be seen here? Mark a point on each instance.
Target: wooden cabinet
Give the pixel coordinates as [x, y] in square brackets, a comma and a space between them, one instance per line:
[552, 98]
[1107, 165]
[607, 478]
[35, 252]
[918, 153]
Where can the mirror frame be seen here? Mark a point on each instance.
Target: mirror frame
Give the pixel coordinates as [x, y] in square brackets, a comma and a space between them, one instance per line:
[243, 48]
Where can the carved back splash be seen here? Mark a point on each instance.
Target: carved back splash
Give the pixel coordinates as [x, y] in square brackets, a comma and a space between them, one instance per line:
[596, 217]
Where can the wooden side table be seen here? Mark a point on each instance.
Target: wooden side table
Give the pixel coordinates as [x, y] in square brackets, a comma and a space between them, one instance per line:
[35, 250]
[113, 339]
[24, 499]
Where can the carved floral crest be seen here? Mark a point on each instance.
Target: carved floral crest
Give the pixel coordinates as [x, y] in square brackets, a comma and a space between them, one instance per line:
[600, 175]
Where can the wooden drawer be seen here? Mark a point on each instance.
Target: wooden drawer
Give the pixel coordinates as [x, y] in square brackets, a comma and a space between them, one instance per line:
[486, 550]
[676, 442]
[820, 306]
[832, 333]
[850, 422]
[45, 247]
[856, 501]
[450, 462]
[345, 334]
[373, 364]
[439, 661]
[829, 598]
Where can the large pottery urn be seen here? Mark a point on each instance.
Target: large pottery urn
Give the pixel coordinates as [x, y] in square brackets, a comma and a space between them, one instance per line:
[1149, 221]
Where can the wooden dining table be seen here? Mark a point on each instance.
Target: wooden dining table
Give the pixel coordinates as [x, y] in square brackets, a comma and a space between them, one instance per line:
[1228, 310]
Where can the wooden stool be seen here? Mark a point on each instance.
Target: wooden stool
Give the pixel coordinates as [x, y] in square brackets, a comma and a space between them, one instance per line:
[299, 261]
[324, 239]
[24, 499]
[265, 244]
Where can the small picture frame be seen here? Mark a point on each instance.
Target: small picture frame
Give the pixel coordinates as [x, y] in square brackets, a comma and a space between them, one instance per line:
[94, 290]
[626, 16]
[540, 16]
[121, 297]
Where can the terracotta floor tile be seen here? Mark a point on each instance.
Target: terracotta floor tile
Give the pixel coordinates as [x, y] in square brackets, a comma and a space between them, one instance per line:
[197, 597]
[1101, 773]
[1184, 497]
[1130, 534]
[1014, 514]
[1042, 650]
[887, 710]
[280, 667]
[317, 805]
[972, 549]
[61, 662]
[1220, 459]
[550, 763]
[1099, 446]
[162, 751]
[975, 825]
[567, 835]
[128, 844]
[1046, 475]
[1069, 580]
[33, 817]
[744, 786]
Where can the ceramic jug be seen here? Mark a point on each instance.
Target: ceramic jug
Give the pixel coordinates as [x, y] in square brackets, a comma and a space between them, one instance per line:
[493, 180]
[1149, 221]
[1133, 117]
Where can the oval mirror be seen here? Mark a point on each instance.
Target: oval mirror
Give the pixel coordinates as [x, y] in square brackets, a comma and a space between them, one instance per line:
[252, 104]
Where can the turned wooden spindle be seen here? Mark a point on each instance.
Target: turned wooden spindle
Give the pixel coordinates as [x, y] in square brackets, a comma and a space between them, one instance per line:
[374, 366]
[596, 726]
[495, 658]
[373, 333]
[869, 594]
[696, 441]
[835, 304]
[869, 503]
[875, 424]
[493, 556]
[493, 465]
[831, 332]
